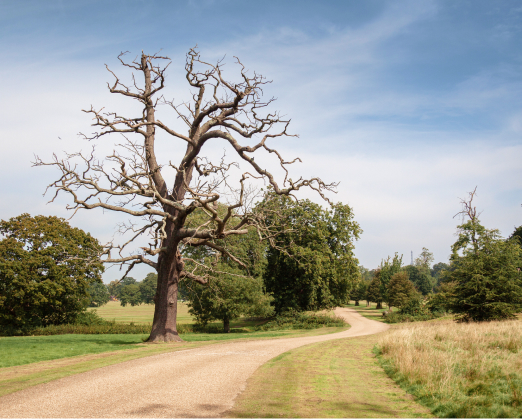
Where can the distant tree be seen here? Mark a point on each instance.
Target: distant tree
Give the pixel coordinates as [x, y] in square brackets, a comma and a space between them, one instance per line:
[487, 276]
[425, 259]
[388, 269]
[130, 294]
[115, 287]
[438, 270]
[98, 294]
[46, 267]
[374, 291]
[148, 288]
[420, 277]
[311, 266]
[358, 292]
[400, 289]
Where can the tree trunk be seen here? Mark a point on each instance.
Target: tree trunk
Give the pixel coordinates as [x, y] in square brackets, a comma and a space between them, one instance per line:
[226, 325]
[166, 300]
[356, 303]
[379, 306]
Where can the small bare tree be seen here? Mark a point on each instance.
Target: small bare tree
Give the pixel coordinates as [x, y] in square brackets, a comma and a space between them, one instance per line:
[132, 181]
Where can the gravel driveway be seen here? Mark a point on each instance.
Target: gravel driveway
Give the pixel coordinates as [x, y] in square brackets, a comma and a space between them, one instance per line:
[199, 382]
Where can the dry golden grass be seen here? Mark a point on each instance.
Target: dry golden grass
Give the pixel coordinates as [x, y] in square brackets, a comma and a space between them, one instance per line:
[459, 369]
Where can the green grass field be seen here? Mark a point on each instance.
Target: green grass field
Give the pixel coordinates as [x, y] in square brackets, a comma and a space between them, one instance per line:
[143, 313]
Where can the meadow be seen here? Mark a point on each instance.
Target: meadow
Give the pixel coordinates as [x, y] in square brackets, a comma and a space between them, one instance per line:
[143, 313]
[458, 369]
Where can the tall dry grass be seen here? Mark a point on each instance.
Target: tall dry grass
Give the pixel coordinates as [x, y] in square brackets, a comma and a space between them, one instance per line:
[458, 370]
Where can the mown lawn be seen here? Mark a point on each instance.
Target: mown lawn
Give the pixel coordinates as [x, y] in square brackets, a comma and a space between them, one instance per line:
[340, 378]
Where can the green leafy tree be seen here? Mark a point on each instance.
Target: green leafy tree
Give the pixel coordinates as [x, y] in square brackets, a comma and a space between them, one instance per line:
[374, 292]
[438, 271]
[130, 294]
[420, 278]
[227, 297]
[311, 265]
[46, 267]
[231, 291]
[98, 294]
[487, 276]
[388, 269]
[400, 289]
[358, 292]
[115, 287]
[148, 288]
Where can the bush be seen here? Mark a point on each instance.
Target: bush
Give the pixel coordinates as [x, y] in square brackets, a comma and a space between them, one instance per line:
[300, 320]
[414, 310]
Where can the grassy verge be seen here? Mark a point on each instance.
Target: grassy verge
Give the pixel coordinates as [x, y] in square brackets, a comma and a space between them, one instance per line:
[458, 370]
[339, 378]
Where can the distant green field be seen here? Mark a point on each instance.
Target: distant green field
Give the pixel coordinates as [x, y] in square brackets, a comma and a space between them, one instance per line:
[143, 313]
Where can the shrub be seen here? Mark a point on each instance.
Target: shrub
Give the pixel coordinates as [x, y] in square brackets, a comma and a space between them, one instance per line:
[300, 320]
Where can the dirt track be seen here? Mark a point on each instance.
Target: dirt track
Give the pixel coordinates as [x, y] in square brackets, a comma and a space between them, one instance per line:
[199, 382]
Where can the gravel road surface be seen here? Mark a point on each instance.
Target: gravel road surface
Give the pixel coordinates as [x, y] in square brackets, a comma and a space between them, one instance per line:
[199, 382]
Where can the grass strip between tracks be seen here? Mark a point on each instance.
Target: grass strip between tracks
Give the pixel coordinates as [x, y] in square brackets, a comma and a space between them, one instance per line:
[339, 378]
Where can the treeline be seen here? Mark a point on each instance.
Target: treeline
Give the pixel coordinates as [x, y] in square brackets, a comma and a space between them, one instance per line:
[126, 291]
[481, 282]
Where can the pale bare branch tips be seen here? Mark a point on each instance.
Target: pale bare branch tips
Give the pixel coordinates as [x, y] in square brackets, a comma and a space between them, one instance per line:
[188, 198]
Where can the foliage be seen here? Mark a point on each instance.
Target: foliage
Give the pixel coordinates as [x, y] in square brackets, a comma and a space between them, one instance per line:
[130, 294]
[421, 278]
[400, 290]
[46, 267]
[374, 290]
[293, 319]
[486, 273]
[98, 294]
[228, 296]
[359, 291]
[438, 271]
[311, 264]
[517, 235]
[388, 269]
[148, 288]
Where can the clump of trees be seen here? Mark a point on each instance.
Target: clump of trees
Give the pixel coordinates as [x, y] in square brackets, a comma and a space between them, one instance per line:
[130, 291]
[46, 269]
[486, 279]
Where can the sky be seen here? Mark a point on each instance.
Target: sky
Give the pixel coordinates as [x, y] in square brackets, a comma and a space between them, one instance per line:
[409, 105]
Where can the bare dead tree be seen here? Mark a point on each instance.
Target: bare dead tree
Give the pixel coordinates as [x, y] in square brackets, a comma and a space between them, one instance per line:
[132, 181]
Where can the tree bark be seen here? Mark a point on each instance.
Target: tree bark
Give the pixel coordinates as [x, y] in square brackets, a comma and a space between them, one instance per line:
[379, 306]
[356, 303]
[226, 325]
[164, 327]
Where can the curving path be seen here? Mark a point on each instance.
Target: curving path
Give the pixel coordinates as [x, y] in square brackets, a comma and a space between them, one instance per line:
[200, 382]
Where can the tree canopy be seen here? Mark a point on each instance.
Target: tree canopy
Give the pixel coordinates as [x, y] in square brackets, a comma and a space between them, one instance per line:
[485, 271]
[46, 268]
[311, 265]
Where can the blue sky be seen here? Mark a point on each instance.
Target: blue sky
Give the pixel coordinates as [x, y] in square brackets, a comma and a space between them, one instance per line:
[409, 104]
